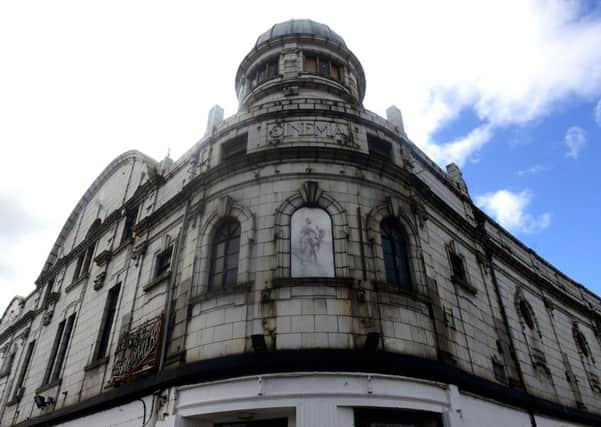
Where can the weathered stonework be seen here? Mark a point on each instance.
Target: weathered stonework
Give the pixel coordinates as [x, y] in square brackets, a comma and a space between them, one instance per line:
[502, 334]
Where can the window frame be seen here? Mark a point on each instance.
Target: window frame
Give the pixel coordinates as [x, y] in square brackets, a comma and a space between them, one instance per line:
[229, 237]
[395, 225]
[331, 64]
[264, 71]
[106, 325]
[19, 384]
[376, 145]
[131, 218]
[84, 263]
[59, 351]
[234, 147]
[162, 268]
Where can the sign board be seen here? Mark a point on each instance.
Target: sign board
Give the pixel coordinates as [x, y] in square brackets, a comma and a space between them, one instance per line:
[138, 351]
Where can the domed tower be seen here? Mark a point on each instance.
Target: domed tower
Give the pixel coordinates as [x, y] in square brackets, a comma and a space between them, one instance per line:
[300, 58]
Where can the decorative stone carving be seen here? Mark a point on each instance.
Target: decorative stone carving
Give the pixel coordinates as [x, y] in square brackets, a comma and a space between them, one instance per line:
[311, 131]
[225, 206]
[311, 193]
[99, 280]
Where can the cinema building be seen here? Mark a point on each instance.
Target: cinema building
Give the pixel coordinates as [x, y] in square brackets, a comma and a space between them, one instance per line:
[303, 265]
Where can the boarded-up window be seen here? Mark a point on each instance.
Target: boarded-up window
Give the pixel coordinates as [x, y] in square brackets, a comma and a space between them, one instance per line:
[310, 64]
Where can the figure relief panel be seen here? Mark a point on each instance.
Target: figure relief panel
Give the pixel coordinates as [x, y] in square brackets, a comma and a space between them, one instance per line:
[312, 248]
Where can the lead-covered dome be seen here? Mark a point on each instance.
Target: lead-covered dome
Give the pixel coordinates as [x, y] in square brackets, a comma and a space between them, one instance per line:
[297, 27]
[299, 58]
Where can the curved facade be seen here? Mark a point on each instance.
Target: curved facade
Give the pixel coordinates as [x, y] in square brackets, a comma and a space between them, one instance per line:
[304, 264]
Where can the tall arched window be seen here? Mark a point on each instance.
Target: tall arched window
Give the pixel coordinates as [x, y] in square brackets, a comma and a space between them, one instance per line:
[396, 260]
[224, 255]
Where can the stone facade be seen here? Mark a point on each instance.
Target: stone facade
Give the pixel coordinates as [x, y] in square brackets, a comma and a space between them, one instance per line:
[483, 328]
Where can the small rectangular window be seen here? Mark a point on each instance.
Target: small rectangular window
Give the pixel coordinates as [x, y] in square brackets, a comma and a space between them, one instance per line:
[88, 260]
[163, 262]
[379, 148]
[84, 261]
[106, 324]
[62, 352]
[78, 266]
[130, 220]
[8, 364]
[272, 69]
[234, 147]
[24, 369]
[59, 349]
[261, 73]
[335, 72]
[457, 268]
[310, 64]
[54, 351]
[324, 67]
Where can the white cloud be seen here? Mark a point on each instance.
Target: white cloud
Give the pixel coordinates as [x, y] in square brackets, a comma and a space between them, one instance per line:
[459, 150]
[533, 170]
[575, 140]
[598, 113]
[511, 62]
[509, 210]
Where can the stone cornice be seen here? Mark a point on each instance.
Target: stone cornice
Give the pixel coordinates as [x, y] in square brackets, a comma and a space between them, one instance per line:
[251, 161]
[108, 222]
[19, 323]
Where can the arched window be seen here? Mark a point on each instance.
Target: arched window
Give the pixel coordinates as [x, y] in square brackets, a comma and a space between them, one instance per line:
[581, 341]
[396, 260]
[224, 255]
[527, 313]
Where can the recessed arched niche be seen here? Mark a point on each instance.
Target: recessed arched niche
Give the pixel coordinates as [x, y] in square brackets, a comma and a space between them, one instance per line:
[311, 243]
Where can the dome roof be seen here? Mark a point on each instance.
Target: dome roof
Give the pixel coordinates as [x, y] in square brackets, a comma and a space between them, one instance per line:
[300, 26]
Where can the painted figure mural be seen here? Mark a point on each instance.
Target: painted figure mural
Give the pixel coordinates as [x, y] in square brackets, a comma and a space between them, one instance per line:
[312, 253]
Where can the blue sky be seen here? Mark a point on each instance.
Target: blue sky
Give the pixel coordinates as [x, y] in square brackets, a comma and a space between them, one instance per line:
[507, 90]
[533, 158]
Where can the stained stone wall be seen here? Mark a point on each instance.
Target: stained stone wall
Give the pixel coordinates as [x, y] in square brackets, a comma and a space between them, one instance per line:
[514, 321]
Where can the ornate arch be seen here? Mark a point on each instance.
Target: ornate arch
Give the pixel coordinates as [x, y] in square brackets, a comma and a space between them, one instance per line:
[394, 208]
[310, 195]
[224, 207]
[526, 313]
[582, 343]
[128, 156]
